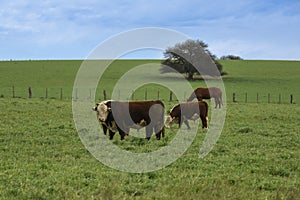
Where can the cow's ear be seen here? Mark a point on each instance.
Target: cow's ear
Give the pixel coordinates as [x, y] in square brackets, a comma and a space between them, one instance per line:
[96, 107]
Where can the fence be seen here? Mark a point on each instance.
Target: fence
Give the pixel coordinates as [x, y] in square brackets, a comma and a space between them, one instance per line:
[147, 94]
[263, 98]
[67, 93]
[30, 92]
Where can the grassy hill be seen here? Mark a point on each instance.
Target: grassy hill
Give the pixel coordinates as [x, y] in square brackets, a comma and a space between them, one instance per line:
[251, 77]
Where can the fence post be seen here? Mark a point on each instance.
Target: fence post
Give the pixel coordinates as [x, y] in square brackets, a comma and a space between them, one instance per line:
[246, 97]
[146, 94]
[257, 98]
[268, 97]
[158, 95]
[279, 99]
[291, 99]
[171, 96]
[233, 97]
[13, 91]
[104, 94]
[29, 92]
[46, 96]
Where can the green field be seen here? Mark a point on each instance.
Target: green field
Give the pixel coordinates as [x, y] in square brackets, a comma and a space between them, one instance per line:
[256, 157]
[251, 77]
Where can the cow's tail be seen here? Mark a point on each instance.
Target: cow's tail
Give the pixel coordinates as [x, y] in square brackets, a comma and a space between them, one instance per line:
[163, 119]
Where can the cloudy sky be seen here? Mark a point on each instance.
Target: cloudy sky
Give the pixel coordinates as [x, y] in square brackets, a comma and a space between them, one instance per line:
[55, 29]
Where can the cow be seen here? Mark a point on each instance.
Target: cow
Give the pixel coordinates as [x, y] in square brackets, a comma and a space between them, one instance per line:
[122, 115]
[207, 93]
[185, 111]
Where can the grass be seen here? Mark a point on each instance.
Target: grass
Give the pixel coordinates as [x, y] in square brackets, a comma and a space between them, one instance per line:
[43, 158]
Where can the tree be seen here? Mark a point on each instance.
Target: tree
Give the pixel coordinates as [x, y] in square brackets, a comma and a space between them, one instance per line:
[231, 57]
[191, 57]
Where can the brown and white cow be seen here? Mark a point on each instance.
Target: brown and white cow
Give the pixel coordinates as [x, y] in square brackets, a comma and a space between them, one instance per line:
[183, 112]
[207, 93]
[122, 115]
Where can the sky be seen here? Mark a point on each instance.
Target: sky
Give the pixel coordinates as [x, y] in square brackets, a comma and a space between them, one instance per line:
[55, 29]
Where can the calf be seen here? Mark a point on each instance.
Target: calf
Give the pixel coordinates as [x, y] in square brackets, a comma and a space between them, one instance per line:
[183, 112]
[121, 116]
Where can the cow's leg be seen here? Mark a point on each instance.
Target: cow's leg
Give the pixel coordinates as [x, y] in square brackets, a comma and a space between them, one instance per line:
[187, 124]
[111, 134]
[204, 120]
[123, 132]
[149, 130]
[216, 102]
[180, 122]
[122, 135]
[163, 131]
[104, 127]
[159, 130]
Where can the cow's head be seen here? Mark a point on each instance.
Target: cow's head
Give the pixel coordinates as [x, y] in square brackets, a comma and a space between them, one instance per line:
[102, 110]
[170, 120]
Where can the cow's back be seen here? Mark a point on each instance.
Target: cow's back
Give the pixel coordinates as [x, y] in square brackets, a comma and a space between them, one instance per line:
[138, 111]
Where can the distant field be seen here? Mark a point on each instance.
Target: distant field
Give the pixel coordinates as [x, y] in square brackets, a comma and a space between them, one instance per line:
[251, 77]
[263, 77]
[256, 157]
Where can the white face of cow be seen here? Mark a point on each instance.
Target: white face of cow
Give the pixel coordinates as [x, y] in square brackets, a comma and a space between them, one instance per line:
[102, 111]
[169, 121]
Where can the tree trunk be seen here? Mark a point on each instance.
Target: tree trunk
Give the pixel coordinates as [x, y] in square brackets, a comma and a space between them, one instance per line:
[190, 75]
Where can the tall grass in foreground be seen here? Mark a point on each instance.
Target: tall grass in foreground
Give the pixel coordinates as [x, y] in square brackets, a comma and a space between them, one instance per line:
[42, 157]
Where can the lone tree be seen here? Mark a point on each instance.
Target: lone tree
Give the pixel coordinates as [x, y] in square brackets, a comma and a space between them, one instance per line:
[191, 57]
[231, 57]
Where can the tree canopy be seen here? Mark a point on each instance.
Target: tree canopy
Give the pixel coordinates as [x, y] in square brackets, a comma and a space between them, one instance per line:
[191, 57]
[231, 57]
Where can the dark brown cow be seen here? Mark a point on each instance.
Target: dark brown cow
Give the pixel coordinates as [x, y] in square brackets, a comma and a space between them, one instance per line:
[121, 116]
[207, 93]
[188, 111]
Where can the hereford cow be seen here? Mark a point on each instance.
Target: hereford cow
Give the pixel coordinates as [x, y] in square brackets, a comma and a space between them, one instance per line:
[121, 116]
[188, 111]
[207, 93]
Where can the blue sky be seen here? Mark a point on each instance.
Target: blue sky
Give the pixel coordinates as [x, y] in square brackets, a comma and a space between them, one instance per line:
[54, 29]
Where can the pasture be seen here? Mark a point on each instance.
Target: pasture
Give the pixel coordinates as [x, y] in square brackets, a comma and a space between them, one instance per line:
[42, 157]
[251, 77]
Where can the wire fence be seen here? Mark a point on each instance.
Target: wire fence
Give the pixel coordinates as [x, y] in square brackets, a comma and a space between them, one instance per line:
[145, 94]
[263, 98]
